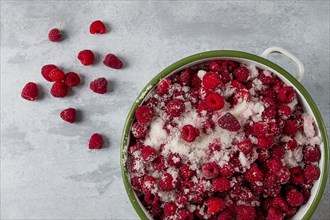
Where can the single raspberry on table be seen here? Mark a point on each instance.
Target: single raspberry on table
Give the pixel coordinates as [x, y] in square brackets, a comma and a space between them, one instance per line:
[175, 107]
[151, 199]
[210, 170]
[99, 85]
[86, 57]
[311, 154]
[148, 153]
[189, 133]
[244, 212]
[294, 197]
[245, 146]
[297, 175]
[211, 80]
[286, 94]
[59, 89]
[72, 79]
[139, 130]
[214, 205]
[30, 91]
[215, 101]
[45, 70]
[56, 75]
[166, 182]
[241, 74]
[112, 61]
[54, 35]
[311, 172]
[253, 174]
[143, 114]
[96, 141]
[220, 184]
[163, 86]
[170, 209]
[69, 115]
[229, 122]
[97, 27]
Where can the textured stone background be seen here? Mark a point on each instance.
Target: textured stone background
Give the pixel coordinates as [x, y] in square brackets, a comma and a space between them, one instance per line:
[47, 171]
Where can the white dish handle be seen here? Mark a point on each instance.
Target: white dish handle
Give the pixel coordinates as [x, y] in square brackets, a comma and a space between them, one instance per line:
[289, 55]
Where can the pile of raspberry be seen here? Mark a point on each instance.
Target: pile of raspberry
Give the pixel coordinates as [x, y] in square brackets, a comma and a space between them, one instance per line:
[172, 185]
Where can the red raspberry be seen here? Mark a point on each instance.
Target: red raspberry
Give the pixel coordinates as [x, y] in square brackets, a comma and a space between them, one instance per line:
[198, 192]
[291, 212]
[296, 175]
[210, 170]
[267, 80]
[174, 159]
[175, 107]
[86, 57]
[211, 80]
[143, 114]
[214, 66]
[148, 184]
[56, 75]
[59, 89]
[208, 126]
[263, 155]
[244, 212]
[290, 127]
[195, 81]
[30, 91]
[139, 130]
[280, 203]
[112, 61]
[268, 102]
[294, 197]
[229, 122]
[214, 205]
[69, 115]
[54, 35]
[181, 199]
[215, 101]
[166, 182]
[311, 154]
[284, 111]
[253, 174]
[286, 94]
[263, 129]
[159, 163]
[228, 65]
[220, 184]
[99, 85]
[215, 145]
[242, 95]
[203, 93]
[134, 148]
[227, 170]
[187, 187]
[184, 214]
[96, 141]
[225, 77]
[269, 93]
[170, 209]
[72, 79]
[292, 144]
[273, 191]
[241, 74]
[151, 199]
[203, 109]
[268, 113]
[148, 153]
[163, 86]
[189, 133]
[278, 151]
[283, 175]
[265, 142]
[226, 215]
[245, 146]
[269, 180]
[185, 172]
[185, 77]
[237, 84]
[274, 165]
[136, 183]
[311, 172]
[274, 214]
[97, 27]
[45, 70]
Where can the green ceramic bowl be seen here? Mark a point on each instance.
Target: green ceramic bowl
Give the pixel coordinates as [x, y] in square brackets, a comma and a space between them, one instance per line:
[307, 210]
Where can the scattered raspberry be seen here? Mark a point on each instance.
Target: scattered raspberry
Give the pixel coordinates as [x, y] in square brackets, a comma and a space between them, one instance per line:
[286, 94]
[174, 159]
[54, 35]
[184, 214]
[30, 91]
[86, 57]
[214, 205]
[245, 146]
[163, 86]
[56, 75]
[210, 170]
[139, 130]
[296, 175]
[189, 133]
[294, 197]
[253, 174]
[241, 74]
[229, 122]
[274, 214]
[97, 27]
[220, 184]
[99, 85]
[113, 61]
[185, 172]
[215, 101]
[148, 184]
[166, 182]
[148, 153]
[175, 107]
[45, 70]
[72, 79]
[59, 89]
[284, 111]
[244, 212]
[227, 170]
[311, 154]
[211, 80]
[311, 172]
[69, 115]
[96, 141]
[170, 209]
[151, 199]
[143, 114]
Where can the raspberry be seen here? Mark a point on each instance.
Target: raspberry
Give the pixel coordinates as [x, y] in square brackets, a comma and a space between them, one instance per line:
[245, 146]
[96, 141]
[294, 197]
[148, 153]
[175, 107]
[148, 184]
[136, 183]
[97, 27]
[215, 101]
[274, 165]
[214, 66]
[210, 170]
[56, 75]
[203, 109]
[185, 172]
[214, 205]
[30, 91]
[139, 130]
[227, 170]
[211, 80]
[269, 93]
[225, 77]
[72, 79]
[69, 115]
[203, 93]
[274, 214]
[184, 214]
[198, 193]
[237, 85]
[54, 35]
[143, 114]
[263, 129]
[290, 127]
[208, 126]
[241, 74]
[170, 209]
[265, 142]
[185, 77]
[286, 94]
[195, 81]
[228, 65]
[45, 70]
[311, 154]
[268, 113]
[112, 61]
[267, 79]
[283, 175]
[99, 85]
[163, 86]
[311, 172]
[242, 95]
[296, 175]
[268, 102]
[278, 151]
[280, 204]
[151, 199]
[253, 174]
[187, 187]
[291, 212]
[159, 163]
[225, 215]
[263, 155]
[256, 188]
[189, 133]
[269, 180]
[273, 191]
[174, 159]
[292, 144]
[215, 145]
[86, 57]
[220, 184]
[59, 89]
[244, 212]
[166, 182]
[181, 199]
[229, 122]
[284, 111]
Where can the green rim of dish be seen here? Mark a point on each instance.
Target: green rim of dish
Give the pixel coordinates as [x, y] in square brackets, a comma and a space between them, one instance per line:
[218, 54]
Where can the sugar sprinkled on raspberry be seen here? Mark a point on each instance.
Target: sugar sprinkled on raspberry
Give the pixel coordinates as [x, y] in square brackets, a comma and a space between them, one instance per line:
[96, 141]
[59, 89]
[139, 130]
[148, 153]
[175, 107]
[286, 94]
[253, 174]
[214, 205]
[113, 61]
[143, 114]
[86, 57]
[220, 184]
[229, 122]
[211, 80]
[311, 172]
[189, 133]
[170, 209]
[69, 115]
[241, 74]
[294, 197]
[311, 154]
[215, 101]
[210, 170]
[54, 35]
[296, 175]
[245, 146]
[166, 182]
[244, 212]
[163, 86]
[30, 91]
[274, 214]
[97, 27]
[99, 85]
